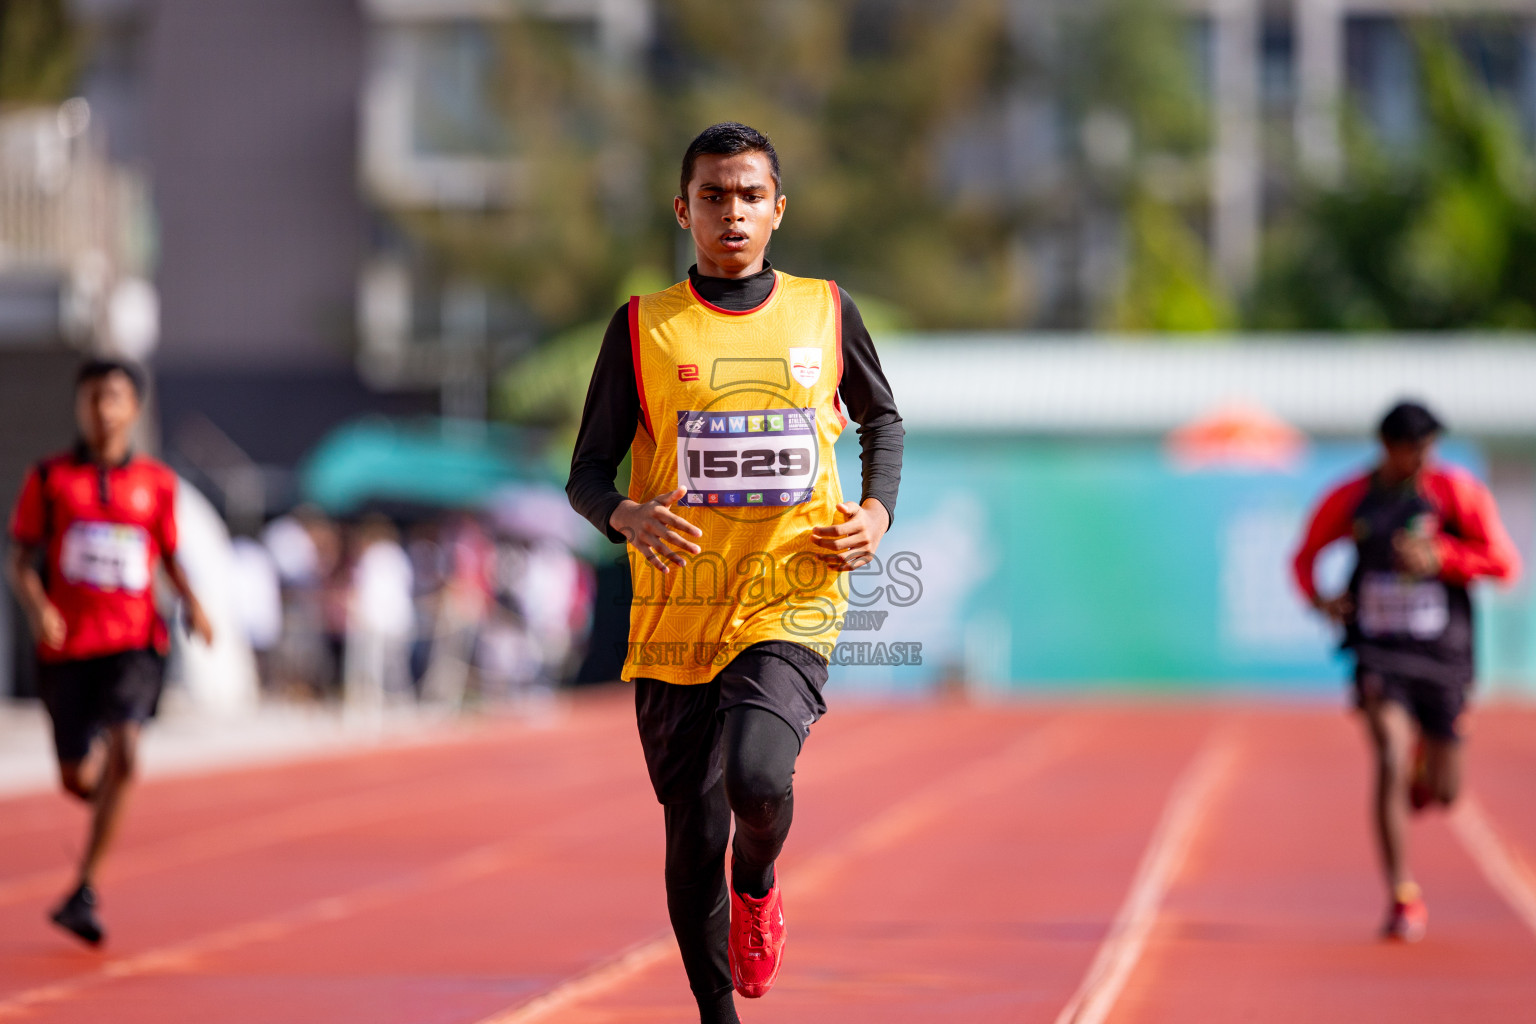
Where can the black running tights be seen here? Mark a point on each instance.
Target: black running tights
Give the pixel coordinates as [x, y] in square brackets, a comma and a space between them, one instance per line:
[759, 757]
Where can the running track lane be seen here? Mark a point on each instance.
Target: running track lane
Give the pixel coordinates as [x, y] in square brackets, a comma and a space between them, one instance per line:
[1272, 918]
[1138, 863]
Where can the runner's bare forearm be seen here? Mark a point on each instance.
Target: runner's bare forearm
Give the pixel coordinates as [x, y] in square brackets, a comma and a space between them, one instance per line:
[197, 621]
[178, 579]
[21, 571]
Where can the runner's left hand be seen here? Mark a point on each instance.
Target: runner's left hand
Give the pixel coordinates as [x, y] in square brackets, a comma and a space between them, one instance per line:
[854, 540]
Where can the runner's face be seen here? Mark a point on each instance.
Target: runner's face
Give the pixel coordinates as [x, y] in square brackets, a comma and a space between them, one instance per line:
[731, 210]
[106, 410]
[1404, 459]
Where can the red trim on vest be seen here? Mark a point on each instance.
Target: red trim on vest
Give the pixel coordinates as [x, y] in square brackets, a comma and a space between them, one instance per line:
[634, 356]
[701, 300]
[837, 318]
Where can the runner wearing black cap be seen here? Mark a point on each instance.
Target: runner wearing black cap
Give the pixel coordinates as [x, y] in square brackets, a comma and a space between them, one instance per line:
[1423, 532]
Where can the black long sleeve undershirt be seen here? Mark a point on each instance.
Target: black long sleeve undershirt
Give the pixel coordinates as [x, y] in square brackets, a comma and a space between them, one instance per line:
[612, 408]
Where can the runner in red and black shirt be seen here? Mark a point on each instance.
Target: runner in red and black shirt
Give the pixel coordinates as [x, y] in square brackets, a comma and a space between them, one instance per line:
[1422, 533]
[100, 520]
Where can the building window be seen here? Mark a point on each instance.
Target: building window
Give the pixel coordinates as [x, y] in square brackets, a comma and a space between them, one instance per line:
[454, 74]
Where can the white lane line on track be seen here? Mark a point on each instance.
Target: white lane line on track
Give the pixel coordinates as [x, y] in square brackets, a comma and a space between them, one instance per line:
[242, 835]
[990, 774]
[1160, 863]
[608, 975]
[1504, 868]
[182, 957]
[331, 814]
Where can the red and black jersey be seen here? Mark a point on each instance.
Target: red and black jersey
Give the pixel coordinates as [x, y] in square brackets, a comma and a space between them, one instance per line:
[1401, 624]
[105, 529]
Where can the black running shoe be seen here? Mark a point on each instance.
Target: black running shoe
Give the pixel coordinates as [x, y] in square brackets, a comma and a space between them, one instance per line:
[78, 916]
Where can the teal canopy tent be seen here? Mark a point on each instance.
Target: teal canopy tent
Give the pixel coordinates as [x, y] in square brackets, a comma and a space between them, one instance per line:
[425, 462]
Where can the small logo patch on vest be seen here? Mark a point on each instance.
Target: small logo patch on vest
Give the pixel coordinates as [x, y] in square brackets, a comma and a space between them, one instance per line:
[688, 371]
[805, 364]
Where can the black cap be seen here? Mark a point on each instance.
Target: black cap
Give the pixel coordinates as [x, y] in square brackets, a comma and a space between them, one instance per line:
[1409, 421]
[102, 366]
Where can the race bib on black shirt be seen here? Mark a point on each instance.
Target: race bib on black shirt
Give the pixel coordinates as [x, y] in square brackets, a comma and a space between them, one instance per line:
[1396, 605]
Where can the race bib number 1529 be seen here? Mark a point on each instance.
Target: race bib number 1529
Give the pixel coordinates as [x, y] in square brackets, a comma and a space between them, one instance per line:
[749, 457]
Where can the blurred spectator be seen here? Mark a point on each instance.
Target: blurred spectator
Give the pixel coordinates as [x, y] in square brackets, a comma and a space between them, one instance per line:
[551, 590]
[293, 550]
[258, 599]
[305, 548]
[507, 659]
[462, 606]
[381, 620]
[464, 609]
[335, 597]
[428, 573]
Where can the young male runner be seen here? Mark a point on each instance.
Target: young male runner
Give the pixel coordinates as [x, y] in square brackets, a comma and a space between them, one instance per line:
[728, 391]
[1422, 532]
[100, 518]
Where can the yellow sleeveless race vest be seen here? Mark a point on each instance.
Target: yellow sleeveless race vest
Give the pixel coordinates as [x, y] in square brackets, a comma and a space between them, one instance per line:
[741, 410]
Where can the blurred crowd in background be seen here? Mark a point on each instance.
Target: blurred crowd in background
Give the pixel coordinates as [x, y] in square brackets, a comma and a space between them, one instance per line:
[451, 610]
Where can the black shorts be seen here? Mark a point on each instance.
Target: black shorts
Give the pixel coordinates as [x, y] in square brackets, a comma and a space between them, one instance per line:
[1436, 704]
[85, 696]
[680, 726]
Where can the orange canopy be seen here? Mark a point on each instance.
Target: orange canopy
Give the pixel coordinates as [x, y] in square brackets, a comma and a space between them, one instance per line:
[1236, 436]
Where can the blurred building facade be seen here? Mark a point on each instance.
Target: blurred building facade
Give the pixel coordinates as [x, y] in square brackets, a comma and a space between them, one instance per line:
[1278, 80]
[439, 143]
[218, 142]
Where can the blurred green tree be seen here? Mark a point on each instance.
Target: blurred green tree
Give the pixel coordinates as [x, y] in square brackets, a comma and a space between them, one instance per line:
[39, 51]
[1440, 238]
[870, 100]
[574, 127]
[1137, 65]
[1167, 287]
[883, 112]
[854, 96]
[858, 98]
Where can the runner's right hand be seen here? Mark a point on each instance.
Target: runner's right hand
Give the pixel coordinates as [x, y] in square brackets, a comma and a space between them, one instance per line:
[1339, 609]
[198, 623]
[650, 528]
[48, 626]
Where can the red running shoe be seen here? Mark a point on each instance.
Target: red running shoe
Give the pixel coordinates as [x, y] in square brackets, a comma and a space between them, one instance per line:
[1408, 919]
[757, 941]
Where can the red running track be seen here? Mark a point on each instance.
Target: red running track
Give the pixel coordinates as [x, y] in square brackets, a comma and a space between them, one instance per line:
[1023, 863]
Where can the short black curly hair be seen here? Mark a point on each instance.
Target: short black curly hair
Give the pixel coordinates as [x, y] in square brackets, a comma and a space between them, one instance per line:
[1409, 422]
[98, 367]
[729, 138]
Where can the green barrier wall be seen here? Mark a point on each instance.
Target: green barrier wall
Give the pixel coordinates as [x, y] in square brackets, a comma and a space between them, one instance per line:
[1028, 564]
